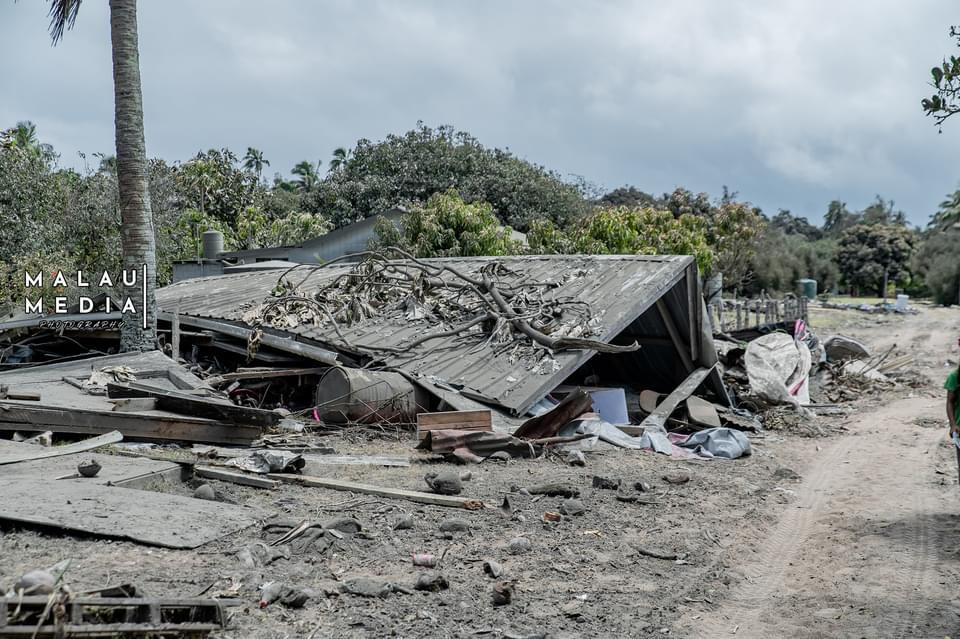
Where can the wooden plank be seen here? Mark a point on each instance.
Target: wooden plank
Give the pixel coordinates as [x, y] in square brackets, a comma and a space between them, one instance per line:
[243, 479]
[175, 333]
[380, 491]
[476, 420]
[678, 342]
[268, 373]
[356, 460]
[133, 404]
[197, 406]
[34, 452]
[152, 518]
[658, 418]
[286, 344]
[15, 417]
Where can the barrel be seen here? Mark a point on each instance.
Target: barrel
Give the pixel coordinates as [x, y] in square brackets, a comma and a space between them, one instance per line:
[808, 288]
[356, 395]
[212, 244]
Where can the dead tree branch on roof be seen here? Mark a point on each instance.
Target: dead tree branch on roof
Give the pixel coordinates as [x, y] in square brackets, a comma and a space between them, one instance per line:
[514, 315]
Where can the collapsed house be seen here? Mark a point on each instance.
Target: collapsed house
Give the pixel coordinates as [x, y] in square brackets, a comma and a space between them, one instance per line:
[597, 321]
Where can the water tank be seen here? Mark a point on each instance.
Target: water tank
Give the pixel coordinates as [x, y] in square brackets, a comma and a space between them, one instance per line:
[808, 288]
[212, 244]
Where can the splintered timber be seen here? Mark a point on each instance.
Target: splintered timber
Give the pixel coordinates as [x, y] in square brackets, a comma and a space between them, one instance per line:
[127, 279]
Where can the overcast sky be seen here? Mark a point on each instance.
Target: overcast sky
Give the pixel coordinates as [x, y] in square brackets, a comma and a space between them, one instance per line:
[790, 103]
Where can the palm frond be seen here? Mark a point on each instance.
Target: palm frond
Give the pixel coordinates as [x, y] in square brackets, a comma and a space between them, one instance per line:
[63, 14]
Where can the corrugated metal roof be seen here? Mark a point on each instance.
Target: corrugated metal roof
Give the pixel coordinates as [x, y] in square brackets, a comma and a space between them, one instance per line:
[618, 289]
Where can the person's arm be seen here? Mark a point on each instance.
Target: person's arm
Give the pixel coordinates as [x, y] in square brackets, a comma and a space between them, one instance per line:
[951, 407]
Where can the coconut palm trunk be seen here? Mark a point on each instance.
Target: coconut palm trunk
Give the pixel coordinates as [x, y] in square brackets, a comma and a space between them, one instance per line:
[137, 238]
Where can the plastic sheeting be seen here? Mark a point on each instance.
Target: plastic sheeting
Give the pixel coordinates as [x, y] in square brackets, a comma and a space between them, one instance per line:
[718, 442]
[778, 368]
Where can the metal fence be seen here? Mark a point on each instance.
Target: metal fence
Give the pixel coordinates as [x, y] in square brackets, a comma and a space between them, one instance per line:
[736, 314]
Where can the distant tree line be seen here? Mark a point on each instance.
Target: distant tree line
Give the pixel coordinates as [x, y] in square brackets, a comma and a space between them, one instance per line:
[462, 199]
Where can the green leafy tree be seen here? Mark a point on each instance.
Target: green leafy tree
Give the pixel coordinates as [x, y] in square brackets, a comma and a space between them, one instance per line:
[945, 77]
[446, 226]
[409, 168]
[789, 224]
[308, 176]
[254, 162]
[870, 254]
[630, 196]
[624, 230]
[732, 230]
[137, 235]
[339, 160]
[935, 264]
[215, 183]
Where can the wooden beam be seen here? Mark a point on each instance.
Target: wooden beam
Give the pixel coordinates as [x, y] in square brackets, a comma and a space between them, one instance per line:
[243, 479]
[193, 405]
[286, 344]
[658, 418]
[175, 333]
[678, 342]
[33, 452]
[269, 373]
[380, 491]
[477, 420]
[15, 417]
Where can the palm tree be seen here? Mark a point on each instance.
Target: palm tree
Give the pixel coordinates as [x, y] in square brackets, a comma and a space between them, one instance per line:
[136, 233]
[253, 161]
[340, 158]
[25, 135]
[307, 175]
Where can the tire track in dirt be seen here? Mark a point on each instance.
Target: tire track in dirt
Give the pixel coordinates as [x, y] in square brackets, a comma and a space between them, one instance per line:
[876, 470]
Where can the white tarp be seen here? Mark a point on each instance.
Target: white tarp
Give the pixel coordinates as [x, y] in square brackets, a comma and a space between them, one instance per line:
[778, 368]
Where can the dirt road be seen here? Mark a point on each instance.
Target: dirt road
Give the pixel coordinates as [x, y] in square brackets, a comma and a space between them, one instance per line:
[868, 547]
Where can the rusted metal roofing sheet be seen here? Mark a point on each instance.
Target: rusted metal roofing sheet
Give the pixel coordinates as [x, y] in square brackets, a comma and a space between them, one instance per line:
[619, 289]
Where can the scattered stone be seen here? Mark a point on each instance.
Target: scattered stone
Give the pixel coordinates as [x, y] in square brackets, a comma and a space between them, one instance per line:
[346, 525]
[642, 486]
[524, 492]
[286, 595]
[502, 593]
[499, 456]
[454, 526]
[36, 582]
[626, 498]
[676, 478]
[466, 476]
[519, 545]
[554, 490]
[572, 507]
[205, 491]
[604, 483]
[492, 568]
[367, 587]
[88, 468]
[786, 473]
[260, 554]
[576, 458]
[572, 609]
[506, 507]
[431, 582]
[404, 523]
[444, 483]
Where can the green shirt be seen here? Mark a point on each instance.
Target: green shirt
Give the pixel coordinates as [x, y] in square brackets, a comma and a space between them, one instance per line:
[951, 385]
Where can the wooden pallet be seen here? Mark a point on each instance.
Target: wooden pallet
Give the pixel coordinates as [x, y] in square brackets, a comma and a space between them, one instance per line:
[110, 617]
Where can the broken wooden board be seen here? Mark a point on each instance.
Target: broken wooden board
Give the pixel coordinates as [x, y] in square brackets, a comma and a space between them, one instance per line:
[27, 452]
[658, 418]
[183, 403]
[473, 420]
[243, 479]
[269, 373]
[147, 517]
[380, 491]
[149, 425]
[133, 404]
[355, 460]
[115, 469]
[702, 412]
